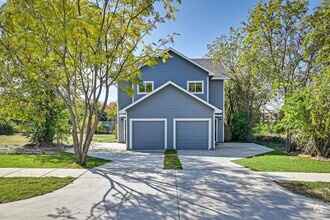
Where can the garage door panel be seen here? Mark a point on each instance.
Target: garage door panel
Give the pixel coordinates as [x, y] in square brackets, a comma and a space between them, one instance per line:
[192, 135]
[148, 135]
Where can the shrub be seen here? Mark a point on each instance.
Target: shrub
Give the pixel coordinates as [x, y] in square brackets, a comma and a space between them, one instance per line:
[102, 128]
[240, 127]
[5, 128]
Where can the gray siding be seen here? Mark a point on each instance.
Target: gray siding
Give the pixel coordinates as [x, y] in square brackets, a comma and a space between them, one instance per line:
[220, 129]
[170, 103]
[123, 99]
[216, 98]
[148, 135]
[121, 132]
[216, 93]
[177, 70]
[192, 135]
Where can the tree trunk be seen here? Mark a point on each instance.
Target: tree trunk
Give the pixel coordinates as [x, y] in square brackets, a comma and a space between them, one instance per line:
[317, 147]
[83, 159]
[288, 141]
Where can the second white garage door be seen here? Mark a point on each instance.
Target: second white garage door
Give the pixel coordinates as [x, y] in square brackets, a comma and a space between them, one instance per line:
[192, 134]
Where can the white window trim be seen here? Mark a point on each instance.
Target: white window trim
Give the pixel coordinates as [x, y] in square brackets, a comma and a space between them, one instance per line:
[207, 89]
[142, 93]
[196, 81]
[146, 119]
[209, 120]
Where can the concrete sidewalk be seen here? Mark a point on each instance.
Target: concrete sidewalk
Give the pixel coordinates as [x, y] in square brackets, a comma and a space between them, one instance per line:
[41, 172]
[310, 177]
[56, 172]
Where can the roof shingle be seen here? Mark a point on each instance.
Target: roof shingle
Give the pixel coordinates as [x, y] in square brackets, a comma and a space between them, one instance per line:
[218, 70]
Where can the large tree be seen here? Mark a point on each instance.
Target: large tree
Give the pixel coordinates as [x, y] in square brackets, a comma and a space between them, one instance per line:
[37, 110]
[276, 30]
[308, 109]
[248, 89]
[79, 48]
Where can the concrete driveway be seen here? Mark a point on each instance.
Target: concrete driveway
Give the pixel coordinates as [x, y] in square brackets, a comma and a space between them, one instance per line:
[134, 186]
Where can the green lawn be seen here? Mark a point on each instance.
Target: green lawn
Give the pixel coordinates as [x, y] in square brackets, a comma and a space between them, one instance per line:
[104, 138]
[16, 139]
[17, 188]
[316, 190]
[171, 160]
[57, 160]
[19, 140]
[281, 162]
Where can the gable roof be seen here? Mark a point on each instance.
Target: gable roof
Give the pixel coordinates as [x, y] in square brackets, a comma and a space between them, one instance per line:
[218, 111]
[192, 61]
[218, 70]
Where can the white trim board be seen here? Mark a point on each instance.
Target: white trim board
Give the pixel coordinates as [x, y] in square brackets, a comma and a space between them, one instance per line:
[146, 119]
[208, 89]
[220, 78]
[125, 132]
[223, 111]
[209, 120]
[216, 129]
[176, 86]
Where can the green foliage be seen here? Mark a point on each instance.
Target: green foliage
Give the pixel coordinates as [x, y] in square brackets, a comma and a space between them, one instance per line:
[79, 49]
[6, 128]
[102, 129]
[111, 111]
[307, 111]
[280, 54]
[240, 127]
[267, 129]
[18, 188]
[249, 88]
[40, 114]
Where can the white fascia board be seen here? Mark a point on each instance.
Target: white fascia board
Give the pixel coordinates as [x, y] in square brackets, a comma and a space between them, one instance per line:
[123, 111]
[220, 78]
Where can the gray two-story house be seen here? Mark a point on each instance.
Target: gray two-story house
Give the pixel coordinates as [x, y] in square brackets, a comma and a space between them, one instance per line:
[179, 105]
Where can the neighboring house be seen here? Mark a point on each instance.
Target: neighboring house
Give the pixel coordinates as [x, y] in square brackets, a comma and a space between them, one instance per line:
[180, 105]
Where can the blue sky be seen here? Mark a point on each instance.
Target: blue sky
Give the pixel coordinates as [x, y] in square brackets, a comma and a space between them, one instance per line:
[199, 22]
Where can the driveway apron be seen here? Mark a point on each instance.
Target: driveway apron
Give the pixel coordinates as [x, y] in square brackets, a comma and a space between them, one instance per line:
[213, 187]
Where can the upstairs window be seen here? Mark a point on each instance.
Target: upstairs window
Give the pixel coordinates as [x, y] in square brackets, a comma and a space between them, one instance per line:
[195, 87]
[146, 87]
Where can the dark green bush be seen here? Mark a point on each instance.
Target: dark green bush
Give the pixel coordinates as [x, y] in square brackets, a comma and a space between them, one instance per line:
[102, 129]
[240, 127]
[5, 128]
